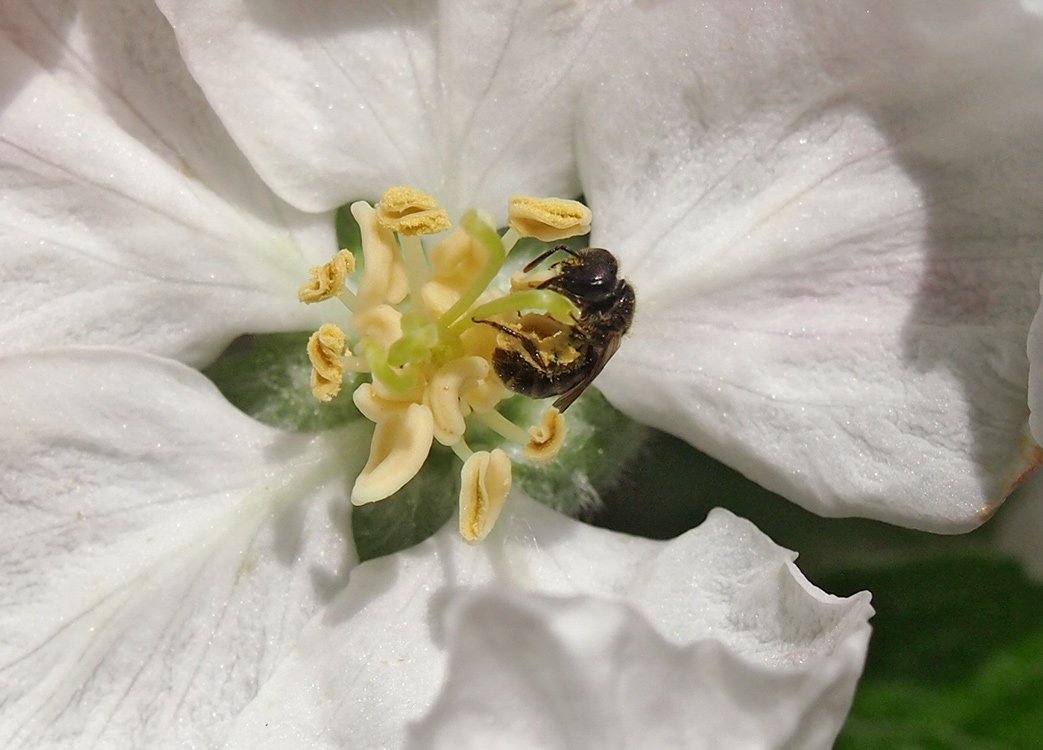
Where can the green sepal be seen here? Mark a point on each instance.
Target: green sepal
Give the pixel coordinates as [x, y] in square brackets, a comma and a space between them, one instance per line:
[268, 376]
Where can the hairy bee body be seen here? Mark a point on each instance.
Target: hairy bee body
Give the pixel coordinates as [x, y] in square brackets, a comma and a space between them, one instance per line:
[563, 360]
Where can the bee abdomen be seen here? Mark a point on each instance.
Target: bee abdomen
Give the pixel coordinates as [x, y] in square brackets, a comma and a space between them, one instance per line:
[519, 375]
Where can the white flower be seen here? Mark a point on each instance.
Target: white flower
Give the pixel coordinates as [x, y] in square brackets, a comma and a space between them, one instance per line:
[179, 570]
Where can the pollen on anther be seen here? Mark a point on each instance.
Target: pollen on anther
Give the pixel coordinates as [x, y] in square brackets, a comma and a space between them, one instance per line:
[410, 212]
[485, 482]
[548, 219]
[327, 280]
[325, 350]
[546, 438]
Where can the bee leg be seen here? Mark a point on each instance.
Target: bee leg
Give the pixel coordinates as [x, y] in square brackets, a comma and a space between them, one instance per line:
[546, 254]
[526, 342]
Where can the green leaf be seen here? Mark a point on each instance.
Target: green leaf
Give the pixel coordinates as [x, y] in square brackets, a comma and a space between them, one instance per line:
[269, 377]
[956, 659]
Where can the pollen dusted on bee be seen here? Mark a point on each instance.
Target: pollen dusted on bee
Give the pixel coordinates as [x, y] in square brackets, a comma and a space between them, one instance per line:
[414, 322]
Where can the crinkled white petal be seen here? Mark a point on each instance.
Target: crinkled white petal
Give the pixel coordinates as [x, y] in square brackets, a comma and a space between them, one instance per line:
[831, 214]
[160, 550]
[468, 100]
[1035, 354]
[775, 658]
[128, 214]
[541, 672]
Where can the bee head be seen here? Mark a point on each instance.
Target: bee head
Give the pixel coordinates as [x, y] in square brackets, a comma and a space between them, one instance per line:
[592, 276]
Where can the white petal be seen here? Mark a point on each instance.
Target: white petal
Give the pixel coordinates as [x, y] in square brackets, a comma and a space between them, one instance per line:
[160, 551]
[128, 214]
[547, 672]
[468, 100]
[722, 594]
[835, 246]
[1035, 354]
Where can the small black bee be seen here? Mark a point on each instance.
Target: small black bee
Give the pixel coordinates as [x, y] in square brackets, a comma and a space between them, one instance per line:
[556, 358]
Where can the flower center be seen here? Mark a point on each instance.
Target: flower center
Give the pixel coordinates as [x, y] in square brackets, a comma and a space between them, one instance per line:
[436, 340]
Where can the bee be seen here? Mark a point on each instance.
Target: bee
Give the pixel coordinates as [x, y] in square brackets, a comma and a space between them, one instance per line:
[551, 358]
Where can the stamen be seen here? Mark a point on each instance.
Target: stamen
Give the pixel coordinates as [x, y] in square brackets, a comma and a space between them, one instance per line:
[547, 437]
[328, 279]
[443, 396]
[548, 219]
[485, 482]
[399, 448]
[384, 276]
[462, 450]
[510, 239]
[409, 212]
[325, 348]
[417, 272]
[375, 407]
[381, 323]
[503, 427]
[456, 260]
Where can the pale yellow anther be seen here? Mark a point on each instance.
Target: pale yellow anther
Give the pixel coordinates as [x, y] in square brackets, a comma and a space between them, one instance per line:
[384, 276]
[377, 407]
[484, 394]
[325, 349]
[409, 212]
[455, 262]
[327, 280]
[399, 448]
[485, 482]
[443, 396]
[548, 219]
[547, 437]
[382, 324]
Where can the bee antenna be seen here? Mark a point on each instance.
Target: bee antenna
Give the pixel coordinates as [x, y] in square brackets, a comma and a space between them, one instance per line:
[546, 254]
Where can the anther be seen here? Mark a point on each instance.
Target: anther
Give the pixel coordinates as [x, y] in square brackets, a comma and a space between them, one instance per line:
[547, 437]
[327, 280]
[378, 407]
[325, 349]
[384, 276]
[443, 396]
[548, 219]
[410, 212]
[399, 448]
[485, 482]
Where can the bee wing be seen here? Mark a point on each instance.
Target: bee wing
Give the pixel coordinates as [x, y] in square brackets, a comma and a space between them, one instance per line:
[568, 397]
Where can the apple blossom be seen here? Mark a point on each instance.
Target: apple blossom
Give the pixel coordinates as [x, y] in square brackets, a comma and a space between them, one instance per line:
[829, 211]
[163, 552]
